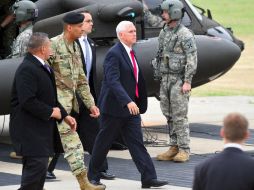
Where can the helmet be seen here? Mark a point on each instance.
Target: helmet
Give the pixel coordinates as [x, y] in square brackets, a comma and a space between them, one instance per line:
[174, 7]
[25, 10]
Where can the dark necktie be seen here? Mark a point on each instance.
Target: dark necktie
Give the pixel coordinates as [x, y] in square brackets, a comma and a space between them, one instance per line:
[135, 71]
[46, 66]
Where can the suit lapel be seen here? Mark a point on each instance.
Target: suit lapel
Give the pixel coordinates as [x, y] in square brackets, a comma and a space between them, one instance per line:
[39, 64]
[126, 57]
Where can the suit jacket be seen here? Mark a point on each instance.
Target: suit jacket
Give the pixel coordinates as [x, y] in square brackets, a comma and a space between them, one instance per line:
[230, 170]
[33, 97]
[118, 85]
[92, 78]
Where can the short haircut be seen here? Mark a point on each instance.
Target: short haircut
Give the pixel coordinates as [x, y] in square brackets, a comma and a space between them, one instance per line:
[85, 11]
[235, 127]
[37, 40]
[122, 26]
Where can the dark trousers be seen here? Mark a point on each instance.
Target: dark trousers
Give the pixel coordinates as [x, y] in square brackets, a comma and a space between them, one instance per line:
[110, 128]
[52, 164]
[88, 128]
[33, 172]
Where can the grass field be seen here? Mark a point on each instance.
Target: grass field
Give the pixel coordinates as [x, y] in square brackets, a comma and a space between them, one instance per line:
[239, 15]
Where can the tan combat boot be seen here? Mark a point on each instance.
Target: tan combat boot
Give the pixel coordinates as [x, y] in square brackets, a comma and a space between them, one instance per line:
[15, 156]
[86, 185]
[169, 154]
[182, 156]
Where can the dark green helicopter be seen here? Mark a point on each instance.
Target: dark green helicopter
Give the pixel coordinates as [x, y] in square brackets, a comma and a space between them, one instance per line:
[218, 48]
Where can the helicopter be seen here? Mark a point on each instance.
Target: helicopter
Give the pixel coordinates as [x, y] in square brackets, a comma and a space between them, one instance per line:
[218, 49]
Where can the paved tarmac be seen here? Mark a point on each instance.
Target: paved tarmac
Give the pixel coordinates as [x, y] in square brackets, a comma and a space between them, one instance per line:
[205, 117]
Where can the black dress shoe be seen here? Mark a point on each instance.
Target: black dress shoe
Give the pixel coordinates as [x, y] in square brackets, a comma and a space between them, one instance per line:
[107, 175]
[50, 175]
[153, 183]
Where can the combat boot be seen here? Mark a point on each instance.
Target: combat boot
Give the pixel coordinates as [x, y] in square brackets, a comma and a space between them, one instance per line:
[85, 184]
[169, 154]
[15, 156]
[182, 156]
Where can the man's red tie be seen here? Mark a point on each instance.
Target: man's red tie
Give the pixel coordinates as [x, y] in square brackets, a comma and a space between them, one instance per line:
[135, 71]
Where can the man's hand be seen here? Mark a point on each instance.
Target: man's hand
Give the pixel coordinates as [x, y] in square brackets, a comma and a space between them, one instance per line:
[133, 108]
[71, 122]
[186, 87]
[95, 112]
[56, 113]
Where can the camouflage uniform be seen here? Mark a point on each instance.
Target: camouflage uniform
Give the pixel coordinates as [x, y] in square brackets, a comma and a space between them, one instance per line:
[70, 78]
[152, 20]
[178, 64]
[19, 47]
[10, 31]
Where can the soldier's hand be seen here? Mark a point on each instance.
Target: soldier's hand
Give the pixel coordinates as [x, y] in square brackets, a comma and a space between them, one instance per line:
[133, 108]
[71, 122]
[186, 87]
[56, 113]
[95, 112]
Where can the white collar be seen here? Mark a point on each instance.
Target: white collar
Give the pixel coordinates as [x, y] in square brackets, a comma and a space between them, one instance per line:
[233, 145]
[83, 38]
[40, 59]
[128, 49]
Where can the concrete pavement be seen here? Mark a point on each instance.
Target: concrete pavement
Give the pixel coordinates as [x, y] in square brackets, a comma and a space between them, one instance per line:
[205, 116]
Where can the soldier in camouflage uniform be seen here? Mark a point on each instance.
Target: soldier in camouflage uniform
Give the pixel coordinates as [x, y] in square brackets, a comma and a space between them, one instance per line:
[70, 79]
[151, 20]
[176, 65]
[25, 13]
[8, 29]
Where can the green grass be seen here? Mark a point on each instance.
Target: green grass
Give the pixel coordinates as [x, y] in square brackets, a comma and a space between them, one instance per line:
[221, 92]
[237, 14]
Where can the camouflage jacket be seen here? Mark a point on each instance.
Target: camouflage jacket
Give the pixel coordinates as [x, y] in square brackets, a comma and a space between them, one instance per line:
[19, 47]
[178, 51]
[152, 20]
[70, 77]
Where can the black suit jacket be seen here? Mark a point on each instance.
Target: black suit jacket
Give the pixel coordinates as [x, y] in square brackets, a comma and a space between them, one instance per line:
[118, 85]
[33, 97]
[230, 170]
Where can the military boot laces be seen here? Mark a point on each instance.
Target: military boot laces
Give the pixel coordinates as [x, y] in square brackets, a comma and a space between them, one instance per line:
[86, 185]
[182, 156]
[169, 154]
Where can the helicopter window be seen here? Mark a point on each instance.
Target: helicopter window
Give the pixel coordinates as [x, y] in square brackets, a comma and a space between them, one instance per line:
[194, 10]
[186, 20]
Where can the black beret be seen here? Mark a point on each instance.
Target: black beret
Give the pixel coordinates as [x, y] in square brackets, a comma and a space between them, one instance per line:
[73, 18]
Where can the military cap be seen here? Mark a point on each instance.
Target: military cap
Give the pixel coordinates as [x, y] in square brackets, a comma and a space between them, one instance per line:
[73, 18]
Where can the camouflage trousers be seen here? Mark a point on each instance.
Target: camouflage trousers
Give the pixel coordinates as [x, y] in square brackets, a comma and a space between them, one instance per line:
[73, 149]
[174, 106]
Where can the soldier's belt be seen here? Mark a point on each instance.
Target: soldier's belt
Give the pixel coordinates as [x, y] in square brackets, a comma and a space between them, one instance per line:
[180, 72]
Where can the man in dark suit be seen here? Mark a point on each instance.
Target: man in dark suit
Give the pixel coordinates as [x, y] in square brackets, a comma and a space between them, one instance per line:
[232, 168]
[88, 127]
[122, 98]
[34, 111]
